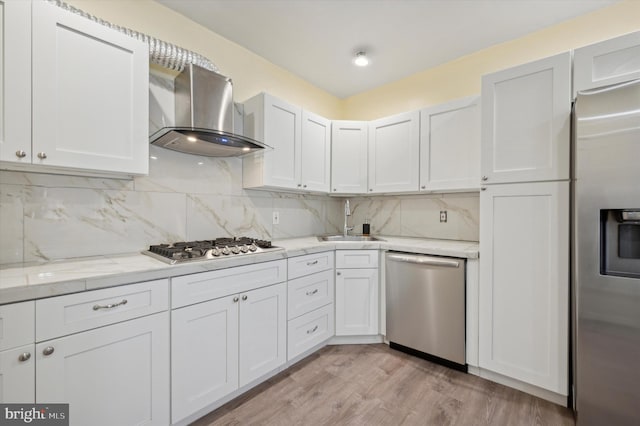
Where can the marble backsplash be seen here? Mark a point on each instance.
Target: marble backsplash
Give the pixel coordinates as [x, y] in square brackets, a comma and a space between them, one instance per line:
[46, 217]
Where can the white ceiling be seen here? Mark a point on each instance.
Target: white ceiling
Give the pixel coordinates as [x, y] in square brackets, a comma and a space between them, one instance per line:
[317, 39]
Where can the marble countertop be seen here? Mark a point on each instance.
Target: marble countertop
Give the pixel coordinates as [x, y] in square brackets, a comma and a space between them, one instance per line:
[56, 278]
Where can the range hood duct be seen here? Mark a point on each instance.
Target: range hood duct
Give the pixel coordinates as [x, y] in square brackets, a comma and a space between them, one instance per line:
[204, 117]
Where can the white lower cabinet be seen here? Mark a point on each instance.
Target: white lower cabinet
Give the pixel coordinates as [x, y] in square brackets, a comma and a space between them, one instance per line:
[310, 296]
[204, 355]
[17, 375]
[263, 332]
[114, 375]
[357, 292]
[524, 283]
[220, 345]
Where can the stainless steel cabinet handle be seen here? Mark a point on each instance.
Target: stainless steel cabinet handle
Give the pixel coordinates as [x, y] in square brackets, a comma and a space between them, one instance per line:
[315, 262]
[338, 273]
[312, 330]
[110, 305]
[485, 178]
[424, 260]
[304, 186]
[299, 185]
[422, 187]
[235, 299]
[334, 190]
[20, 153]
[370, 189]
[47, 351]
[484, 188]
[25, 356]
[311, 293]
[244, 297]
[42, 155]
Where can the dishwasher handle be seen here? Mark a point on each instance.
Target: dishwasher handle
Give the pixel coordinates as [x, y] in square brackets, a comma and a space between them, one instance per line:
[423, 260]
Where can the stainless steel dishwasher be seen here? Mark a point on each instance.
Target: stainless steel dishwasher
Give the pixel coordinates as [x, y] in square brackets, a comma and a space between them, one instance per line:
[426, 306]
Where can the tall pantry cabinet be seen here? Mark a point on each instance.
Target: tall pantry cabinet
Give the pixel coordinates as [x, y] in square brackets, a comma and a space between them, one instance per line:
[524, 223]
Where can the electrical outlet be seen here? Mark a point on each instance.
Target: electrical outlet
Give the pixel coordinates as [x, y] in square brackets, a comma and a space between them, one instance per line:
[443, 215]
[276, 218]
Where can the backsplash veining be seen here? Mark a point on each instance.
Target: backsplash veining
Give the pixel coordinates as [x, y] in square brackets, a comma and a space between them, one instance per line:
[46, 217]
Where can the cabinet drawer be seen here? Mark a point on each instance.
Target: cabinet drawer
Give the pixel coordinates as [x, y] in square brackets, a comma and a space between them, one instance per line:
[308, 293]
[356, 259]
[17, 324]
[309, 264]
[195, 288]
[309, 330]
[59, 316]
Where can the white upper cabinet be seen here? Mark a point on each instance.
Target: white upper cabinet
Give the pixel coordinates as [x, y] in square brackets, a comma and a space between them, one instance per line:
[394, 146]
[15, 81]
[301, 142]
[608, 62]
[315, 162]
[349, 157]
[526, 121]
[278, 124]
[90, 95]
[450, 146]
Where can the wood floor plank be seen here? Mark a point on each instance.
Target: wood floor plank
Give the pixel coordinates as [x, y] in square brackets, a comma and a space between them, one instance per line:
[375, 385]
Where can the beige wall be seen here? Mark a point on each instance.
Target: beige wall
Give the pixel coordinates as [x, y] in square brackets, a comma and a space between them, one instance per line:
[461, 77]
[252, 74]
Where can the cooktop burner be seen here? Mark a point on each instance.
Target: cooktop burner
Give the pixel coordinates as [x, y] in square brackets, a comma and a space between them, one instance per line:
[186, 251]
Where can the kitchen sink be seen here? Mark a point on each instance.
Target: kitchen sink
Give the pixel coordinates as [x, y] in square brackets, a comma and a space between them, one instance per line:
[334, 238]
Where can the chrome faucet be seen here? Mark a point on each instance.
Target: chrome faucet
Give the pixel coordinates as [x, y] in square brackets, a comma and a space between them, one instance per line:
[347, 213]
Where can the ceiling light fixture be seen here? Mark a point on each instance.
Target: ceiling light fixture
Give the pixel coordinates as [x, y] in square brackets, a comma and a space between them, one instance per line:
[361, 59]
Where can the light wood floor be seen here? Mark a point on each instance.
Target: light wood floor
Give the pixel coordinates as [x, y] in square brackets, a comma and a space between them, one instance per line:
[376, 385]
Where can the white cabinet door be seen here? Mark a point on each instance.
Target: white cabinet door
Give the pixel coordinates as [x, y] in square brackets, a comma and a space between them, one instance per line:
[315, 163]
[15, 81]
[450, 146]
[524, 283]
[90, 94]
[349, 157]
[356, 302]
[17, 375]
[278, 124]
[114, 375]
[526, 114]
[204, 355]
[263, 331]
[394, 146]
[609, 62]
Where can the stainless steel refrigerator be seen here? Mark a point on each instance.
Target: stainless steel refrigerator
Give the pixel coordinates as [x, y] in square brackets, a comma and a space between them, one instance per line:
[606, 255]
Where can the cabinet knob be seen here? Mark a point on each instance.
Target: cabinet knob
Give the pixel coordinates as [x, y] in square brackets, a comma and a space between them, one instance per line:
[423, 187]
[299, 185]
[42, 155]
[370, 189]
[235, 299]
[334, 190]
[47, 351]
[244, 297]
[304, 186]
[485, 178]
[25, 356]
[484, 188]
[338, 273]
[20, 153]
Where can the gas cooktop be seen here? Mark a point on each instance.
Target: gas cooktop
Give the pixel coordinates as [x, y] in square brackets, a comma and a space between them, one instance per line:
[219, 248]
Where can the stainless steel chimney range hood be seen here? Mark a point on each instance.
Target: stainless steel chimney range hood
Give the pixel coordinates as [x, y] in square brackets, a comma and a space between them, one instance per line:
[204, 117]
